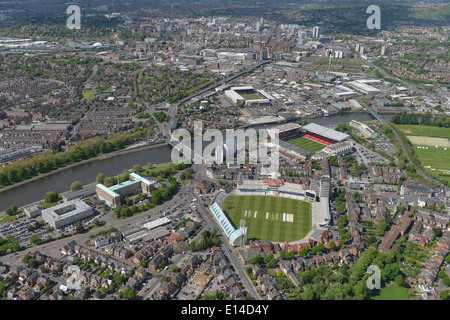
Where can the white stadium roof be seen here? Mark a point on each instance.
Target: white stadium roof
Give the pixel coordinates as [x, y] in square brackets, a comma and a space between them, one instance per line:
[326, 132]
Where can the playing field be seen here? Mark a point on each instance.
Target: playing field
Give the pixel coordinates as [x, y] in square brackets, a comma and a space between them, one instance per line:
[270, 218]
[251, 96]
[428, 131]
[393, 292]
[429, 141]
[307, 144]
[435, 161]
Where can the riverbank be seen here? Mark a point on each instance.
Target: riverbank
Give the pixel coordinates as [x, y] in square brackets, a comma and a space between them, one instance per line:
[99, 158]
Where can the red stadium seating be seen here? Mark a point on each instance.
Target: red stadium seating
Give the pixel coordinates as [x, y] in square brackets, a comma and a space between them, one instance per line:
[321, 140]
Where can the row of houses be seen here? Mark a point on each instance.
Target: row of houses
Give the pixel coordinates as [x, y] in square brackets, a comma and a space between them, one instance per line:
[73, 249]
[417, 235]
[432, 219]
[35, 280]
[432, 266]
[400, 228]
[386, 174]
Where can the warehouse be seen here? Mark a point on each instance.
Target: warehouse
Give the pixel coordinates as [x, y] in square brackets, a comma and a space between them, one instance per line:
[360, 85]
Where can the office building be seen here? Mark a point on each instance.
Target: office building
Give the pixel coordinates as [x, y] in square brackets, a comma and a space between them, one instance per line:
[113, 195]
[317, 32]
[67, 213]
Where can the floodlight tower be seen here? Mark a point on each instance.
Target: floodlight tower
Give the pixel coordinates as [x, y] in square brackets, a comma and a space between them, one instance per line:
[329, 60]
[243, 228]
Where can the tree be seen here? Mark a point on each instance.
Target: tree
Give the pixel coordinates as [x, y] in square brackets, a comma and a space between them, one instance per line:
[137, 168]
[77, 185]
[317, 248]
[192, 246]
[401, 164]
[303, 252]
[290, 255]
[12, 210]
[35, 239]
[444, 294]
[128, 294]
[256, 259]
[125, 212]
[100, 178]
[174, 269]
[51, 197]
[332, 244]
[400, 209]
[383, 226]
[31, 262]
[79, 229]
[26, 258]
[438, 232]
[399, 280]
[268, 258]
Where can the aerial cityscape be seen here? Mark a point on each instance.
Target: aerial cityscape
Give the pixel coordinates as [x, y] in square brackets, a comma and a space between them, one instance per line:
[224, 150]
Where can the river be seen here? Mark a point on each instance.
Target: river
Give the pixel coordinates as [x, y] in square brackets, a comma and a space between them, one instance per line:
[60, 181]
[86, 173]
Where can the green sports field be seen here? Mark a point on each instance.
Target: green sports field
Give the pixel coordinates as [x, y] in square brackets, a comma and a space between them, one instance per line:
[435, 161]
[251, 96]
[270, 226]
[426, 131]
[306, 144]
[393, 292]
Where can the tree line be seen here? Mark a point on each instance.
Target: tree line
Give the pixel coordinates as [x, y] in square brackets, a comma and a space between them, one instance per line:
[416, 119]
[53, 159]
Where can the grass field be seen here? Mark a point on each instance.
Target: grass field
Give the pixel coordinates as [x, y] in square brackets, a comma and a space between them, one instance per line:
[88, 94]
[393, 292]
[429, 141]
[428, 131]
[268, 223]
[306, 144]
[251, 96]
[434, 160]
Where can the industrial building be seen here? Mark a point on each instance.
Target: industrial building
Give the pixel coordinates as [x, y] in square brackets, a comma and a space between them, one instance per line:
[364, 87]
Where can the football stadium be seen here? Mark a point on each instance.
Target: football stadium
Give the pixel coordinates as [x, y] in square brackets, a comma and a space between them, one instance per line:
[248, 96]
[300, 143]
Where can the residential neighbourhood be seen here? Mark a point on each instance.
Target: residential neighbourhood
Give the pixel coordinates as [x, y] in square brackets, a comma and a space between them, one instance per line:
[343, 165]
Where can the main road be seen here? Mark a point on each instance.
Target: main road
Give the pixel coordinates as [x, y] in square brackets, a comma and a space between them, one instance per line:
[135, 222]
[189, 190]
[227, 247]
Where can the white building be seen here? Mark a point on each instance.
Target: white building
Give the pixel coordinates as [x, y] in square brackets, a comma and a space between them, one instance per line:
[317, 32]
[67, 213]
